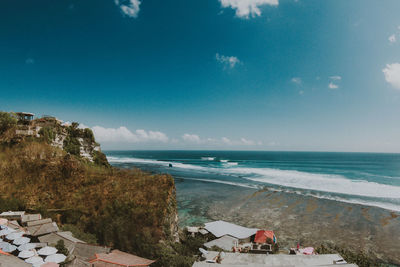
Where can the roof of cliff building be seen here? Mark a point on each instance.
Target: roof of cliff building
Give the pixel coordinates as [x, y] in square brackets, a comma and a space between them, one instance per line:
[121, 258]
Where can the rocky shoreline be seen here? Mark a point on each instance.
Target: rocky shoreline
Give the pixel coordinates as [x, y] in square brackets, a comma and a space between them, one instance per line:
[305, 219]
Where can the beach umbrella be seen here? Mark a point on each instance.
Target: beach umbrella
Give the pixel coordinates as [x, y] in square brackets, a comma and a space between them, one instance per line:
[26, 254]
[46, 251]
[9, 248]
[14, 235]
[21, 241]
[50, 264]
[6, 231]
[57, 258]
[35, 260]
[27, 246]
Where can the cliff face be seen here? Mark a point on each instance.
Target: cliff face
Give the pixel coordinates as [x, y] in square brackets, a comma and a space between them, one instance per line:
[128, 209]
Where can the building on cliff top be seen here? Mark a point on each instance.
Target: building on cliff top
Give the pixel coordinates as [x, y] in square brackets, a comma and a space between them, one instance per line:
[118, 258]
[24, 117]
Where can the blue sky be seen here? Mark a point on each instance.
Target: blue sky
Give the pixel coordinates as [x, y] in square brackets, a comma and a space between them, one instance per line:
[212, 74]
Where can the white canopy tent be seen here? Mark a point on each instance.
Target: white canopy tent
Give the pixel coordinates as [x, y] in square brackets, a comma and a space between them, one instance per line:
[26, 254]
[46, 251]
[27, 246]
[6, 231]
[9, 248]
[57, 258]
[14, 235]
[36, 260]
[21, 241]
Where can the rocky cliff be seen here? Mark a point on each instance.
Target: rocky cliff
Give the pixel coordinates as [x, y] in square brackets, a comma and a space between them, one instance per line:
[127, 209]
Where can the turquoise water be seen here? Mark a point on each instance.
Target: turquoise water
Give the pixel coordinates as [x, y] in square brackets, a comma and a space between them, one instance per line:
[362, 178]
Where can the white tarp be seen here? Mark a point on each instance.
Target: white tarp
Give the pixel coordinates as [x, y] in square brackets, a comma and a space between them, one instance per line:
[221, 228]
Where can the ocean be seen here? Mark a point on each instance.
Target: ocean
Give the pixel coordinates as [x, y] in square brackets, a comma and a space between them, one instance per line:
[369, 179]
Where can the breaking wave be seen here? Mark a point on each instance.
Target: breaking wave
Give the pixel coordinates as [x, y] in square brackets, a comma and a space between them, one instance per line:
[306, 183]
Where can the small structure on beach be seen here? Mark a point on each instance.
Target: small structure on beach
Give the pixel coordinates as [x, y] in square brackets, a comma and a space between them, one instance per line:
[279, 260]
[117, 259]
[221, 228]
[263, 236]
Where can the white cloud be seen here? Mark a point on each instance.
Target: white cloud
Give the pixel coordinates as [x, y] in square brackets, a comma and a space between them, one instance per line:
[123, 134]
[333, 86]
[296, 80]
[334, 79]
[224, 141]
[392, 38]
[230, 62]
[193, 138]
[246, 142]
[392, 74]
[82, 126]
[246, 8]
[129, 7]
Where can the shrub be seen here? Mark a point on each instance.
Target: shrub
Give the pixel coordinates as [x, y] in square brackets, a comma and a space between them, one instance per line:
[7, 121]
[47, 134]
[78, 233]
[72, 145]
[60, 246]
[88, 135]
[100, 158]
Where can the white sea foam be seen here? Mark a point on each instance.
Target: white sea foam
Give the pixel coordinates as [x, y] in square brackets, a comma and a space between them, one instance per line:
[157, 162]
[131, 160]
[318, 182]
[223, 160]
[208, 158]
[222, 182]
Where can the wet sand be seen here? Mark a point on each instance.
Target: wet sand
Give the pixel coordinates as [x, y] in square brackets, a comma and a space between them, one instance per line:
[294, 218]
